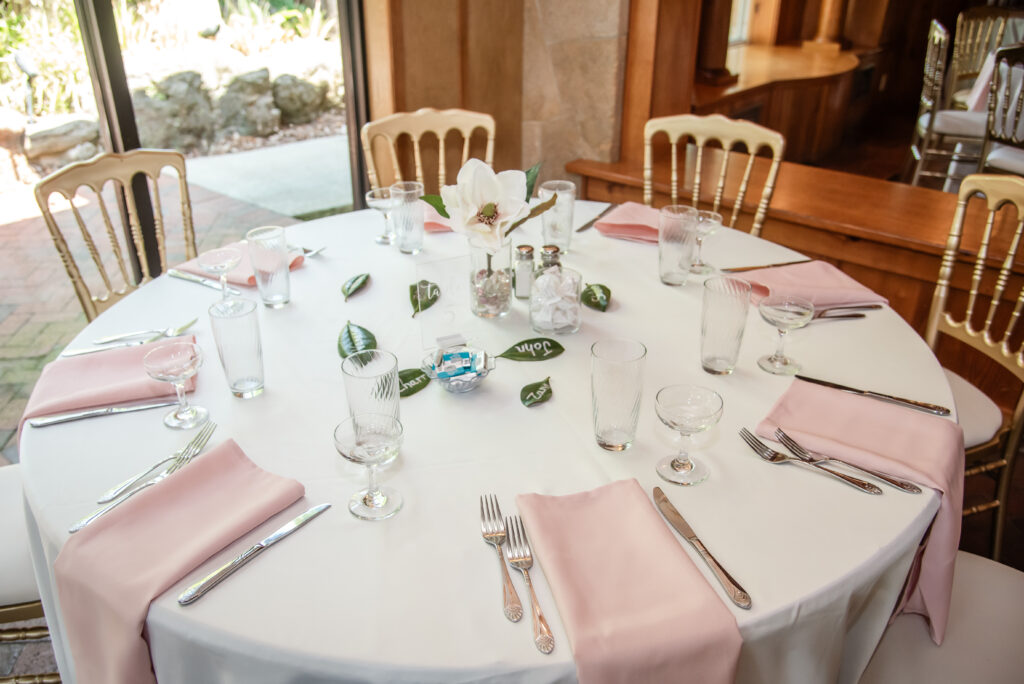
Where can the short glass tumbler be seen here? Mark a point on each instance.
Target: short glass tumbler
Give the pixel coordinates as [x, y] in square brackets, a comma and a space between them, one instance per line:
[407, 216]
[236, 329]
[723, 319]
[268, 252]
[557, 221]
[371, 382]
[616, 383]
[677, 236]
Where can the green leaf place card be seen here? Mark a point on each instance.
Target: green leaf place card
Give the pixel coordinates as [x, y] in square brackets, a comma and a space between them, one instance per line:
[597, 297]
[536, 393]
[354, 284]
[411, 381]
[423, 295]
[533, 349]
[354, 338]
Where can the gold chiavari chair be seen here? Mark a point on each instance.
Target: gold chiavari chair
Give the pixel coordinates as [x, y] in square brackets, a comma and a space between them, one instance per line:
[112, 281]
[1003, 150]
[384, 135]
[979, 30]
[730, 134]
[988, 324]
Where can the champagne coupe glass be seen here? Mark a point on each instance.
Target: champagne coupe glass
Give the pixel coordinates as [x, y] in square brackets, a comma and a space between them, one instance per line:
[372, 439]
[785, 313]
[707, 223]
[176, 363]
[687, 409]
[381, 200]
[218, 262]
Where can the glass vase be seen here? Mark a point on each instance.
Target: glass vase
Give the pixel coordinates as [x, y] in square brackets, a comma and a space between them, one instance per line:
[490, 281]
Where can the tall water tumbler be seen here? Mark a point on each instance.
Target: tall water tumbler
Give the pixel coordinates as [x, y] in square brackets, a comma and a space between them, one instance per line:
[371, 382]
[616, 382]
[268, 253]
[726, 301]
[677, 236]
[236, 329]
[407, 216]
[557, 221]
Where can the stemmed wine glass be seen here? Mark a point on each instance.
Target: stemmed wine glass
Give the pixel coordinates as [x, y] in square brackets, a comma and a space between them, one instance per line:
[707, 223]
[785, 313]
[372, 439]
[218, 262]
[381, 200]
[176, 363]
[687, 409]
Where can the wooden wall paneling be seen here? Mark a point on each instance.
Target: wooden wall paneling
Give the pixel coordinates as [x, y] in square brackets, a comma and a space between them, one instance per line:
[714, 42]
[793, 27]
[764, 22]
[865, 20]
[380, 63]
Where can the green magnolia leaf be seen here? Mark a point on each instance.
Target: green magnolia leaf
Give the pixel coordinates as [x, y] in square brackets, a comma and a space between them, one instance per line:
[536, 393]
[354, 284]
[423, 295]
[531, 179]
[436, 202]
[597, 297]
[536, 211]
[354, 338]
[533, 349]
[411, 381]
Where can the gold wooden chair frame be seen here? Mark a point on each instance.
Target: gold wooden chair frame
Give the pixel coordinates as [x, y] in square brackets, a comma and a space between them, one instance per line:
[995, 456]
[118, 169]
[416, 125]
[1003, 150]
[979, 30]
[729, 133]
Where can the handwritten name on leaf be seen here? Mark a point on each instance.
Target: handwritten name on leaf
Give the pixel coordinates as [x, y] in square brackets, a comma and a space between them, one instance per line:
[534, 349]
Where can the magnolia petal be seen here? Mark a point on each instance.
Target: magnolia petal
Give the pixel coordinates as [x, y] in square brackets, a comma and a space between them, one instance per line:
[513, 184]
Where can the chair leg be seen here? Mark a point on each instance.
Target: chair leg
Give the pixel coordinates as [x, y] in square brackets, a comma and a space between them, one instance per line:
[999, 526]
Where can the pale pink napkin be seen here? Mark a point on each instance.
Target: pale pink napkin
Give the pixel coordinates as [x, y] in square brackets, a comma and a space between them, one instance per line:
[635, 607]
[115, 376]
[902, 441]
[977, 99]
[243, 273]
[433, 222]
[818, 281]
[630, 221]
[108, 573]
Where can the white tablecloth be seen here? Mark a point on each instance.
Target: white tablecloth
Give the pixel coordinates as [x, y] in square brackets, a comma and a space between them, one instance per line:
[417, 598]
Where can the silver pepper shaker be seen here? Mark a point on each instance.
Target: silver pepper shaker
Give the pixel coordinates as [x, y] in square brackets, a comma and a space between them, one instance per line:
[524, 271]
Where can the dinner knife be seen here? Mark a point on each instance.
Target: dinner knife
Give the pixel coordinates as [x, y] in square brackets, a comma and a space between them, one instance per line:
[120, 345]
[92, 413]
[591, 222]
[197, 590]
[738, 595]
[900, 401]
[743, 269]
[175, 273]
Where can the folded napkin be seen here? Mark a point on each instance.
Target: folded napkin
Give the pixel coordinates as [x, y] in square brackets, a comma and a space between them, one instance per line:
[433, 222]
[635, 607]
[630, 221]
[243, 273]
[105, 378]
[977, 98]
[818, 281]
[902, 441]
[108, 573]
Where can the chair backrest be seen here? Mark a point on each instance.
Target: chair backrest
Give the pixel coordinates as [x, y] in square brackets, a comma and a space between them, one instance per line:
[934, 70]
[997, 337]
[109, 244]
[979, 30]
[1006, 100]
[729, 133]
[416, 125]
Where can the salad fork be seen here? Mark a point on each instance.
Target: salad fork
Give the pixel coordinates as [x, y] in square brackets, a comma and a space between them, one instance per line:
[120, 489]
[772, 456]
[180, 462]
[521, 558]
[493, 528]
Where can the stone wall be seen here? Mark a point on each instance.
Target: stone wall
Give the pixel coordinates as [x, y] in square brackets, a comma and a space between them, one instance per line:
[573, 68]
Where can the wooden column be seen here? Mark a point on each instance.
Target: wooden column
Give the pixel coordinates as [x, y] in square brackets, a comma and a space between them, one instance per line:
[830, 23]
[715, 16]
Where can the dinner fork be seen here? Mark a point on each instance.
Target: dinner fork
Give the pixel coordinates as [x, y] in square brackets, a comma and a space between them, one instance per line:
[798, 450]
[160, 334]
[493, 528]
[172, 331]
[772, 456]
[120, 489]
[180, 462]
[521, 558]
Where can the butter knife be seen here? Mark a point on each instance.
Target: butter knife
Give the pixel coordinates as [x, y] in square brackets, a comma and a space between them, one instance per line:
[743, 269]
[175, 273]
[900, 401]
[92, 413]
[204, 585]
[591, 222]
[738, 595]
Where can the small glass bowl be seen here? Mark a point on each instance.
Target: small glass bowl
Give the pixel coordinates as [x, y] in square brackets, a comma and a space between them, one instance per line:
[459, 383]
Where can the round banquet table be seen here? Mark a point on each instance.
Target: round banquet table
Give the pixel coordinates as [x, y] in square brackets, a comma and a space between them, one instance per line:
[417, 598]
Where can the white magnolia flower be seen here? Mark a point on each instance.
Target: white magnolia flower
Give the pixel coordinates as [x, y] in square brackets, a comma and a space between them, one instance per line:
[483, 205]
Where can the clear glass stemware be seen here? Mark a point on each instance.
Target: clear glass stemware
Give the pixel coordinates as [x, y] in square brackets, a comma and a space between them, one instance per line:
[707, 223]
[381, 200]
[373, 440]
[218, 263]
[687, 409]
[785, 313]
[176, 363]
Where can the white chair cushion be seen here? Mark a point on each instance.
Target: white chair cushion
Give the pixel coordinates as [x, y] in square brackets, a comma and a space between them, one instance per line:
[960, 96]
[1006, 158]
[982, 644]
[957, 123]
[17, 581]
[979, 416]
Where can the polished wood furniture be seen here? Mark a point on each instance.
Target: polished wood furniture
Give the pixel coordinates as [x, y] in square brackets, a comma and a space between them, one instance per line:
[729, 134]
[109, 247]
